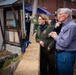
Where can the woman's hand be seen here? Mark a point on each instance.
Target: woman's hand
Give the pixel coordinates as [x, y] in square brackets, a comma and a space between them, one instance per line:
[48, 49]
[49, 35]
[42, 43]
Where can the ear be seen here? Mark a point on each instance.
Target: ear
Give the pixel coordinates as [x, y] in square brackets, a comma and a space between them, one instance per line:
[67, 15]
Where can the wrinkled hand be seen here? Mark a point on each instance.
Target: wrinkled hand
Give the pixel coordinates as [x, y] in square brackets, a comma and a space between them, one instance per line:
[49, 35]
[57, 24]
[42, 43]
[48, 49]
[53, 34]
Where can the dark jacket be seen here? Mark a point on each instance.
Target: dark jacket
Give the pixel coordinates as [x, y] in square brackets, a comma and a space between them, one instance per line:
[57, 30]
[43, 36]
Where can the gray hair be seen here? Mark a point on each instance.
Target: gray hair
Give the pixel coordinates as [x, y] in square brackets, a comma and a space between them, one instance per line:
[66, 10]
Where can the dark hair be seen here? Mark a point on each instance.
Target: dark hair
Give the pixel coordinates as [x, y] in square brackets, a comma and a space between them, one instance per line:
[55, 13]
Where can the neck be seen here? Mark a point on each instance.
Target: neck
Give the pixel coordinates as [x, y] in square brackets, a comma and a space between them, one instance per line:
[66, 20]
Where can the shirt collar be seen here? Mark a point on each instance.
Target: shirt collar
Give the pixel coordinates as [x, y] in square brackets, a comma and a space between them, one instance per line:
[65, 23]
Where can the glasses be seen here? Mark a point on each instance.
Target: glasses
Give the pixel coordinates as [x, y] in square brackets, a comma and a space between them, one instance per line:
[61, 13]
[40, 19]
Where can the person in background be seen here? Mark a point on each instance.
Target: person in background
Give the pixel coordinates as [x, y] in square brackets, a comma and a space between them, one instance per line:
[47, 46]
[27, 25]
[65, 42]
[54, 23]
[55, 20]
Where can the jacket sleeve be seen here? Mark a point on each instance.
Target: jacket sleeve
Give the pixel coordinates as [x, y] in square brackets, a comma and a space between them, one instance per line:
[52, 41]
[37, 37]
[52, 44]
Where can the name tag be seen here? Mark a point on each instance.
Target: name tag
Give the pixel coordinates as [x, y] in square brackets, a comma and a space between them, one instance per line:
[44, 31]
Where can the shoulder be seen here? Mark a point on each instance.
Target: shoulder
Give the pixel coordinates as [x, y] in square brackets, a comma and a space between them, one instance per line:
[49, 26]
[72, 26]
[72, 22]
[38, 26]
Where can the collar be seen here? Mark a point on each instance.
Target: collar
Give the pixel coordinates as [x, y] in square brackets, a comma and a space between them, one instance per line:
[65, 23]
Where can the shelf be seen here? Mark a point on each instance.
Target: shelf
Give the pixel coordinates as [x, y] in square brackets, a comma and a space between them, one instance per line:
[15, 30]
[9, 25]
[13, 43]
[9, 19]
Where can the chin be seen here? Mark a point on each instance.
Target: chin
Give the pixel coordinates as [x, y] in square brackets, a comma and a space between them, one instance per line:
[40, 24]
[60, 20]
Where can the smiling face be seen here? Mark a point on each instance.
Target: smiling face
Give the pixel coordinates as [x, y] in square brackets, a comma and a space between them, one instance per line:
[62, 16]
[41, 21]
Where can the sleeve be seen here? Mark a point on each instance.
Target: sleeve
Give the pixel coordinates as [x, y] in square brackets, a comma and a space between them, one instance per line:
[37, 37]
[52, 41]
[52, 44]
[66, 39]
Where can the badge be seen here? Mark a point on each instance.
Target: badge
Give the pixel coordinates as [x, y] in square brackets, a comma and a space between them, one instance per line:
[44, 31]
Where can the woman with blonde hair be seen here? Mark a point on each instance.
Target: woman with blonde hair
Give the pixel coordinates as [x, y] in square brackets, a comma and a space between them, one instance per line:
[47, 46]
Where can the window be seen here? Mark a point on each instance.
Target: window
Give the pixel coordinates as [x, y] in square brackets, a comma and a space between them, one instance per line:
[11, 27]
[43, 3]
[73, 0]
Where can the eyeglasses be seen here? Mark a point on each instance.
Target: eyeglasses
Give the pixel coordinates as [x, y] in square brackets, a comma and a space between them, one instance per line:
[61, 13]
[40, 19]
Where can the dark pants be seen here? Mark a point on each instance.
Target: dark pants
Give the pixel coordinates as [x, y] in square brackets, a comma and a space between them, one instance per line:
[47, 63]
